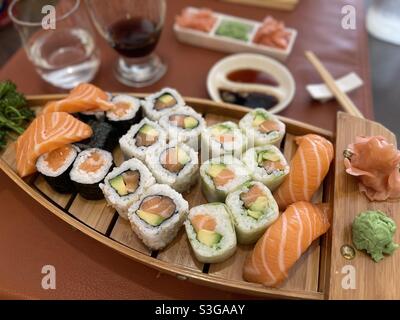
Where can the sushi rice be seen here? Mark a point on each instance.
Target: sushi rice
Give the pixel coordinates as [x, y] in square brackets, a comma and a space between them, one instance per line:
[149, 104]
[128, 141]
[271, 178]
[223, 248]
[250, 125]
[190, 135]
[87, 182]
[248, 228]
[182, 180]
[122, 203]
[157, 237]
[215, 193]
[223, 138]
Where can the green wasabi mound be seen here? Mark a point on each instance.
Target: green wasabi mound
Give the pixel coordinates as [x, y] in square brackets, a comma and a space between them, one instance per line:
[373, 231]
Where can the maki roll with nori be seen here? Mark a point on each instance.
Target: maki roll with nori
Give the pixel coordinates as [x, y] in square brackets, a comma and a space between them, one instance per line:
[141, 139]
[55, 167]
[175, 164]
[104, 137]
[157, 217]
[125, 184]
[94, 115]
[89, 170]
[184, 125]
[125, 113]
[160, 103]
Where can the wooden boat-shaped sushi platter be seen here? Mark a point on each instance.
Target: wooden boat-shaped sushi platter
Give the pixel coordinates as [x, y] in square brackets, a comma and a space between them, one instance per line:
[310, 278]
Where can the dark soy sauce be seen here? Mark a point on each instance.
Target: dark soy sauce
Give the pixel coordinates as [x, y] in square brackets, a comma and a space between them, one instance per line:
[134, 38]
[252, 76]
[249, 99]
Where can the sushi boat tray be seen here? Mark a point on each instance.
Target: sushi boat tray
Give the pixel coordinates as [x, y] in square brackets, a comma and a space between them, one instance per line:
[318, 274]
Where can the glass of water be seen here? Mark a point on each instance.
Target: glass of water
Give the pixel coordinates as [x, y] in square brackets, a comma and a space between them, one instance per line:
[58, 39]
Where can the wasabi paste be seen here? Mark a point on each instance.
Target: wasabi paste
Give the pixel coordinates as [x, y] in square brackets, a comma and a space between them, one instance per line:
[373, 231]
[234, 29]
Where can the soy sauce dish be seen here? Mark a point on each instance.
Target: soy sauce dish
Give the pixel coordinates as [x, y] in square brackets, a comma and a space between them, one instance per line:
[251, 80]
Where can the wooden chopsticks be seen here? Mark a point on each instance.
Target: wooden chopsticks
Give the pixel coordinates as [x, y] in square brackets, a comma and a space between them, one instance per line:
[340, 96]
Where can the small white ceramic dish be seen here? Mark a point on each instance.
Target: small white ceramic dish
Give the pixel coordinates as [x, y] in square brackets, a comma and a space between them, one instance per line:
[217, 78]
[213, 41]
[347, 84]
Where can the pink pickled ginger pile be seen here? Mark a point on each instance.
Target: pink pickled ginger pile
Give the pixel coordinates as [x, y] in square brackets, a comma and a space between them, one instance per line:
[375, 162]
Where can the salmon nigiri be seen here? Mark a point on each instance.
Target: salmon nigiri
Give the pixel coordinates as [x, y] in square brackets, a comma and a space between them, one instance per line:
[84, 97]
[46, 133]
[308, 169]
[284, 242]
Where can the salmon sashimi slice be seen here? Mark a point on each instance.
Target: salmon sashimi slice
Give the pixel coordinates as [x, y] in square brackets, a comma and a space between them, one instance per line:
[160, 205]
[84, 97]
[251, 195]
[203, 222]
[308, 169]
[284, 242]
[224, 177]
[46, 133]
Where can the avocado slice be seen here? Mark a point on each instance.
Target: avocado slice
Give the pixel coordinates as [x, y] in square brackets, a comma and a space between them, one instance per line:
[150, 218]
[209, 238]
[254, 214]
[220, 129]
[215, 169]
[260, 204]
[190, 122]
[119, 185]
[148, 130]
[258, 119]
[183, 157]
[267, 155]
[165, 101]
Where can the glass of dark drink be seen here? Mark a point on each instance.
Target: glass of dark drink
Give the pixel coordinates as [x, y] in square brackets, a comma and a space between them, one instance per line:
[132, 28]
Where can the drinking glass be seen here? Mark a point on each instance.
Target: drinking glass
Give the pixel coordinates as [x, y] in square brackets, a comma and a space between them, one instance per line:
[383, 20]
[58, 39]
[132, 28]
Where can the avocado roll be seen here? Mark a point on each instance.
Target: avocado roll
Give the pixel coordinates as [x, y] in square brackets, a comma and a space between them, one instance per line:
[159, 214]
[223, 138]
[160, 103]
[89, 170]
[253, 210]
[175, 164]
[267, 164]
[141, 139]
[125, 184]
[211, 232]
[55, 167]
[127, 112]
[262, 128]
[184, 125]
[222, 175]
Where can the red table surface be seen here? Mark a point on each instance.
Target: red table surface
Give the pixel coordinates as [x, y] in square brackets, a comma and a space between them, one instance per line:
[30, 237]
